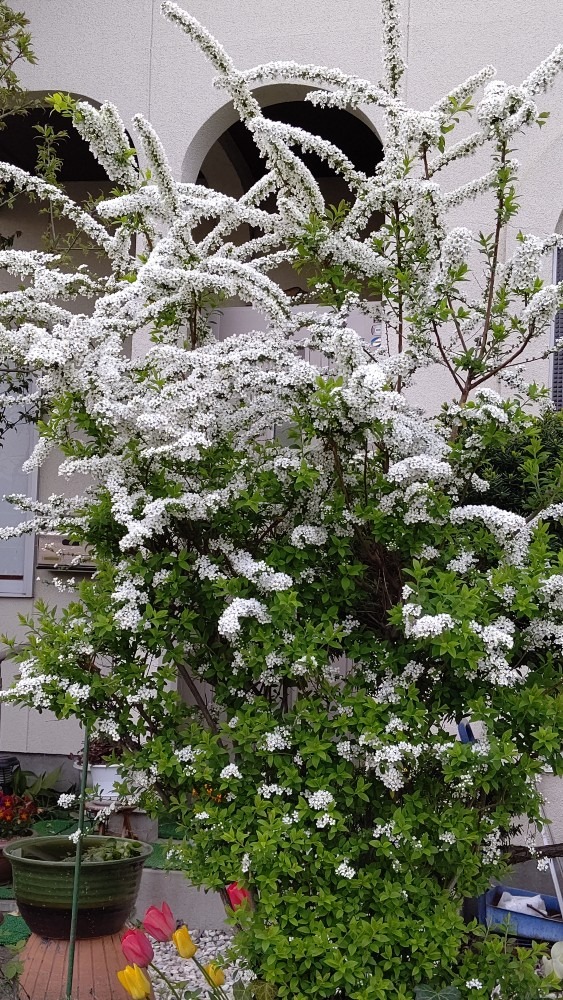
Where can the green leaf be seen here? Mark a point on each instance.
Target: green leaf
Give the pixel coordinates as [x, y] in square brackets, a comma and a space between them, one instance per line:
[430, 993]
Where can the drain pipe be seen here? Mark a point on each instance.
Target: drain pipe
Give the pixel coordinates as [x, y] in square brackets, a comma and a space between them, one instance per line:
[77, 862]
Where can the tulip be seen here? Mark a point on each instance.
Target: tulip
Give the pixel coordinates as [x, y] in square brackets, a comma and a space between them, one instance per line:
[214, 974]
[137, 948]
[159, 923]
[133, 979]
[183, 942]
[237, 895]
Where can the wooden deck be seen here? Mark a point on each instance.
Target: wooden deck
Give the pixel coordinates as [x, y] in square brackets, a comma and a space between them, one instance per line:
[96, 963]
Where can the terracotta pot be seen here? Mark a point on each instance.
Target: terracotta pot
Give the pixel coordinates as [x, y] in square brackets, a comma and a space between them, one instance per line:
[43, 884]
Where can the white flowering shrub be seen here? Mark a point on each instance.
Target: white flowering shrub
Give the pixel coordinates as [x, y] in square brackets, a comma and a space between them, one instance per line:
[333, 598]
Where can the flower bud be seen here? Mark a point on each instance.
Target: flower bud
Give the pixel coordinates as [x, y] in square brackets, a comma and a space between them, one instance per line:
[237, 895]
[183, 942]
[159, 923]
[215, 974]
[137, 948]
[133, 979]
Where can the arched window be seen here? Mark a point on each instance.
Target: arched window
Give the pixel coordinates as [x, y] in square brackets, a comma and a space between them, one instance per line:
[233, 164]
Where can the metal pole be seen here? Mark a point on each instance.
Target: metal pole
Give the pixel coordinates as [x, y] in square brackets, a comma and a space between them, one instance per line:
[78, 859]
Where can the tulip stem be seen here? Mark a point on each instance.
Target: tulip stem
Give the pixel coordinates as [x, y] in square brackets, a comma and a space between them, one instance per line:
[165, 979]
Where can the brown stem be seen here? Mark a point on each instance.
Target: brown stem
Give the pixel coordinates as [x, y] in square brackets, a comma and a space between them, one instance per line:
[198, 697]
[510, 360]
[445, 358]
[494, 261]
[193, 323]
[519, 853]
[338, 469]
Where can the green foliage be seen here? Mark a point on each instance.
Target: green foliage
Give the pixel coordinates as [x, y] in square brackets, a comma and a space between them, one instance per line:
[40, 787]
[15, 46]
[111, 850]
[329, 281]
[524, 468]
[416, 847]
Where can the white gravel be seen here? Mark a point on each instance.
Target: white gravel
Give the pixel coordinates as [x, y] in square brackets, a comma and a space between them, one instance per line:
[211, 946]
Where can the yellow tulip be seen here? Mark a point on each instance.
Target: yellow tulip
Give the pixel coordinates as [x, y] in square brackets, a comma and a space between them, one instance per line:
[184, 944]
[133, 979]
[215, 974]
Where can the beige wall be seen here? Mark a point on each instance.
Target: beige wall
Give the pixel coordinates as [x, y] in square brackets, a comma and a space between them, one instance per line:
[22, 730]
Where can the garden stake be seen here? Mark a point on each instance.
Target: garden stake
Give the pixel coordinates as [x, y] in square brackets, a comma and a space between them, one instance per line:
[78, 859]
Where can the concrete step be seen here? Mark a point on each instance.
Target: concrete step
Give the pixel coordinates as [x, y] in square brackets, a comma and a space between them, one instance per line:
[198, 909]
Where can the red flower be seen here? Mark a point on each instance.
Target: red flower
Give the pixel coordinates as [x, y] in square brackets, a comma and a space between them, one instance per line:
[237, 895]
[137, 948]
[159, 923]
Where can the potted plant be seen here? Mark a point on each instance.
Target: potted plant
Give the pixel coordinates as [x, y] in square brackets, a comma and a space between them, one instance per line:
[17, 815]
[110, 876]
[103, 773]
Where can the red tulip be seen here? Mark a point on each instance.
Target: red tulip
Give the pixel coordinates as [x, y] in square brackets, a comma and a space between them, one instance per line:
[159, 923]
[237, 895]
[137, 948]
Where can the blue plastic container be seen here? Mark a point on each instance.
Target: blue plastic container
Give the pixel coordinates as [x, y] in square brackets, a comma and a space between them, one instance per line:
[521, 925]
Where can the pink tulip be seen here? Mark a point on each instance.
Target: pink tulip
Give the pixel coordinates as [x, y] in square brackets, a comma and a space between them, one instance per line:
[137, 948]
[159, 923]
[237, 895]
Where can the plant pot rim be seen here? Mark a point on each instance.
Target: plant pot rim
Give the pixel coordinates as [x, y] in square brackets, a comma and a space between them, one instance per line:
[4, 841]
[78, 767]
[145, 850]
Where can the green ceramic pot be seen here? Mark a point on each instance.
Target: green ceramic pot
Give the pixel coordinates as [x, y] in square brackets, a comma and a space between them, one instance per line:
[43, 882]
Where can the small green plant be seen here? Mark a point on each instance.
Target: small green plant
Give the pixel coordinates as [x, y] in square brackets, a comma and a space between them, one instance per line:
[14, 966]
[111, 850]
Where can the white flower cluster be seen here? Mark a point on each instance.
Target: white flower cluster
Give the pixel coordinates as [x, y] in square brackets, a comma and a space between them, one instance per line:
[390, 761]
[230, 771]
[278, 739]
[66, 800]
[463, 562]
[267, 791]
[551, 592]
[419, 626]
[308, 534]
[510, 530]
[319, 800]
[229, 623]
[345, 870]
